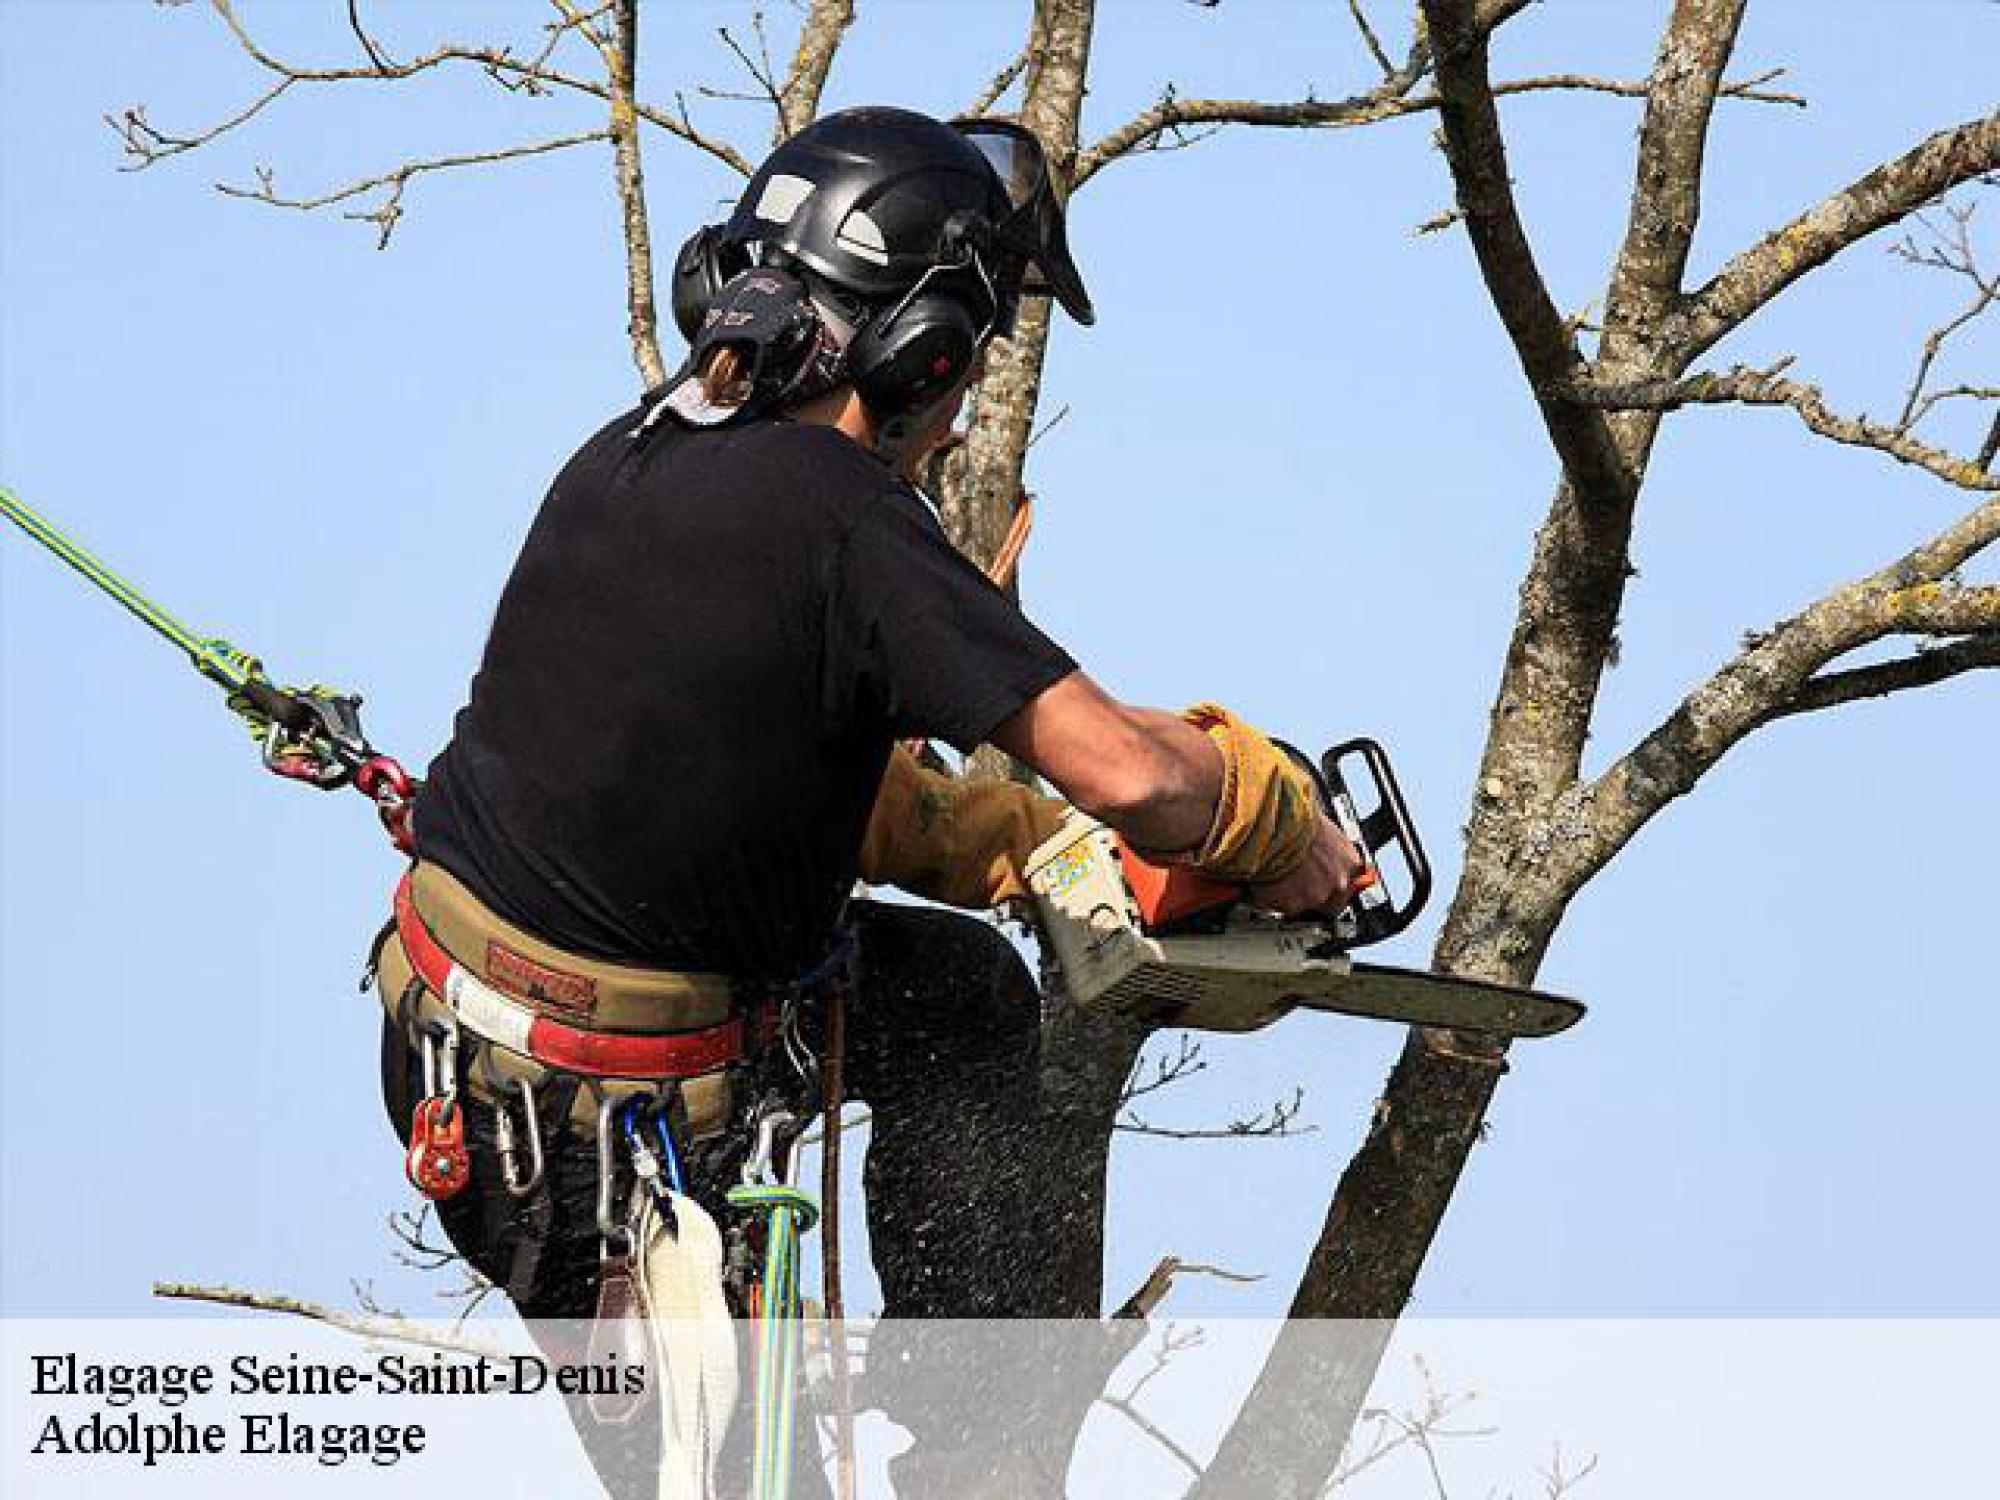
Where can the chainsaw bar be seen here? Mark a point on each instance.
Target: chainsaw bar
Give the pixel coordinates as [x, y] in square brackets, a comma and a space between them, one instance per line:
[1420, 999]
[1248, 971]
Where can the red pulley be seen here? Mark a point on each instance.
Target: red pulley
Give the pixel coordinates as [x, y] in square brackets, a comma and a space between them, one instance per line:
[438, 1164]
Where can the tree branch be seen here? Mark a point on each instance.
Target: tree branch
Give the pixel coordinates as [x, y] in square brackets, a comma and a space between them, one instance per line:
[1152, 1430]
[1388, 100]
[389, 212]
[1369, 39]
[1773, 678]
[364, 1325]
[1872, 201]
[375, 54]
[146, 144]
[1920, 669]
[1278, 1121]
[1771, 388]
[1171, 113]
[642, 310]
[1953, 252]
[1478, 158]
[1160, 1281]
[998, 84]
[1161, 1071]
[820, 36]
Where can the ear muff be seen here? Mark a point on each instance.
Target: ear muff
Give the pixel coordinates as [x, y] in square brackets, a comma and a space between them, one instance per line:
[702, 269]
[902, 360]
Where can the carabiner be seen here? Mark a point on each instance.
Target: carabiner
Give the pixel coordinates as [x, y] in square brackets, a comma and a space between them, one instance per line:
[658, 1167]
[608, 1227]
[518, 1184]
[762, 1168]
[440, 1044]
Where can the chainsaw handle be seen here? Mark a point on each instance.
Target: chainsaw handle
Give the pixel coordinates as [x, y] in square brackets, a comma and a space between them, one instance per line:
[1387, 826]
[1174, 897]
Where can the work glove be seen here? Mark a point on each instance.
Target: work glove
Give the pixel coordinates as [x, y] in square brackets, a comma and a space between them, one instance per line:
[1268, 814]
[957, 839]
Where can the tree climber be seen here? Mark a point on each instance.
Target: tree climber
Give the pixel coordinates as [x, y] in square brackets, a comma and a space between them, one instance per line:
[681, 749]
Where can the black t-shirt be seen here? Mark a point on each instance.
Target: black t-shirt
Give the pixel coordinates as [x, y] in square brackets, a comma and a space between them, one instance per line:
[708, 645]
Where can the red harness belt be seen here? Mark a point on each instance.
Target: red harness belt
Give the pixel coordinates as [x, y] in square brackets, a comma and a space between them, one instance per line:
[507, 1022]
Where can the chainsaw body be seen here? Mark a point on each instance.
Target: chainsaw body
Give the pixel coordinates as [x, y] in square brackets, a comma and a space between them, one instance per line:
[1182, 949]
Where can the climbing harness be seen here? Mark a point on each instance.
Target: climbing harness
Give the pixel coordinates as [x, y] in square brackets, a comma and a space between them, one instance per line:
[310, 734]
[517, 1026]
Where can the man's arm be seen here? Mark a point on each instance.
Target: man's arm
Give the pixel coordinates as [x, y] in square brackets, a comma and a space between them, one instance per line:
[1161, 780]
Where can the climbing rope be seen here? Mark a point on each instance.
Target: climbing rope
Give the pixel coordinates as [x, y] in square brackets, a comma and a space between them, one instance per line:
[788, 1213]
[310, 734]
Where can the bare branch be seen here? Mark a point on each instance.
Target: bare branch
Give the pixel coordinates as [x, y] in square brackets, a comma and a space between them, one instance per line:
[386, 214]
[1558, 1481]
[149, 144]
[1872, 201]
[1477, 154]
[1952, 250]
[1174, 1340]
[642, 322]
[1770, 388]
[375, 54]
[1280, 1120]
[1166, 125]
[1369, 39]
[365, 1325]
[1153, 1290]
[1921, 669]
[999, 84]
[146, 144]
[584, 23]
[1145, 1424]
[820, 36]
[1420, 1429]
[760, 70]
[420, 1252]
[1173, 114]
[1159, 1072]
[1775, 672]
[1933, 399]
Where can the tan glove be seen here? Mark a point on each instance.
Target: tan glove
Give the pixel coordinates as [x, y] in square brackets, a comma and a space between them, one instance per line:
[955, 839]
[1268, 814]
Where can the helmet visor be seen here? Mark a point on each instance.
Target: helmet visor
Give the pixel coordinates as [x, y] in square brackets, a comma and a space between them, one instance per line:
[1033, 228]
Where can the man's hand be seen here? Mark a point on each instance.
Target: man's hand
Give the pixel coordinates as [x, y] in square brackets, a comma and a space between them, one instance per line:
[1322, 883]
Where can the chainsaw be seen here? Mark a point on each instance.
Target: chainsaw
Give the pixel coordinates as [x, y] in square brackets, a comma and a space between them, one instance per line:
[1179, 948]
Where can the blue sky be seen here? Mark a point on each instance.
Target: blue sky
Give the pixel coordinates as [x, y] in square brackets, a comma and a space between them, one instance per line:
[1300, 473]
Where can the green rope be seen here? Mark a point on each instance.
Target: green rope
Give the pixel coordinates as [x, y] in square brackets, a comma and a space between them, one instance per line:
[212, 657]
[790, 1211]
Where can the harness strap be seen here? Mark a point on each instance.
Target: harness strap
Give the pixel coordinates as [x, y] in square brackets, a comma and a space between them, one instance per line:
[507, 1022]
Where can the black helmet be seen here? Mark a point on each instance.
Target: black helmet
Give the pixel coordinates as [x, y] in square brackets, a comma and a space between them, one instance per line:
[911, 239]
[873, 200]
